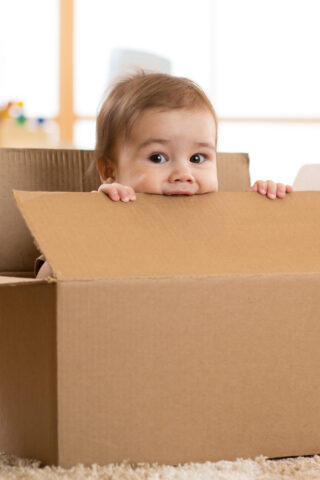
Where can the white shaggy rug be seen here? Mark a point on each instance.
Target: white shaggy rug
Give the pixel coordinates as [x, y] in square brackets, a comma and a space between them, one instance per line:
[261, 468]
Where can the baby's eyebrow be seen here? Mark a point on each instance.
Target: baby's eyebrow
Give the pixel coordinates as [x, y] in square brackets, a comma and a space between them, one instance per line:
[151, 140]
[205, 144]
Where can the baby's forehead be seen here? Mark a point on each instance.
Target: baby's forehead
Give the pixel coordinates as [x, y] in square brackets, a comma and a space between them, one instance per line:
[157, 119]
[174, 122]
[182, 130]
[163, 111]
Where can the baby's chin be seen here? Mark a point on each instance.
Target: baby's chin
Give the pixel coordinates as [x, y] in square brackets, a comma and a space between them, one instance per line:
[179, 190]
[189, 192]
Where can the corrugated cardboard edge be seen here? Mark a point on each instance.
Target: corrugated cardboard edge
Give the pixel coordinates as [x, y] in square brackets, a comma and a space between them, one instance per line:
[32, 228]
[58, 275]
[11, 280]
[28, 374]
[67, 170]
[233, 175]
[32, 170]
[16, 273]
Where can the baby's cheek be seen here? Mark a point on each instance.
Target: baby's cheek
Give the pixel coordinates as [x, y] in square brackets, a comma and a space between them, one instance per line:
[146, 183]
[209, 178]
[209, 184]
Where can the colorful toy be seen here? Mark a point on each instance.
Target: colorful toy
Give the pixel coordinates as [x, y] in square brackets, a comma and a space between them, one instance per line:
[16, 130]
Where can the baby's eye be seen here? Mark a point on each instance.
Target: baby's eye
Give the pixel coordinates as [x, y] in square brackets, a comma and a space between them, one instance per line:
[197, 158]
[157, 158]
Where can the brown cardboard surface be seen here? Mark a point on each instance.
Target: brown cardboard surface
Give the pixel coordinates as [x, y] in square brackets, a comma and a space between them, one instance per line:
[28, 375]
[180, 329]
[188, 369]
[167, 370]
[67, 170]
[87, 235]
[10, 280]
[34, 169]
[21, 275]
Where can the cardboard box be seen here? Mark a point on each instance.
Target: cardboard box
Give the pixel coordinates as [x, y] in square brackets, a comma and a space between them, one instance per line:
[177, 329]
[68, 171]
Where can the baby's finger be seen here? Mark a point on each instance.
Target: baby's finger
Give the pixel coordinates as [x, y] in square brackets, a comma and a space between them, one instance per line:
[103, 188]
[271, 189]
[253, 188]
[132, 193]
[281, 190]
[126, 193]
[110, 190]
[114, 193]
[289, 188]
[262, 187]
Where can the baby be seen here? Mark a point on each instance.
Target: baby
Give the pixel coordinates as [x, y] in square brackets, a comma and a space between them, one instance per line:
[158, 134]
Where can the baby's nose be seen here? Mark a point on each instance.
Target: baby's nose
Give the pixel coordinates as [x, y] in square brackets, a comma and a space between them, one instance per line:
[182, 176]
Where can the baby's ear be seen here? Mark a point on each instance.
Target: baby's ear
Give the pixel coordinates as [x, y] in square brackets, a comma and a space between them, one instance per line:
[106, 170]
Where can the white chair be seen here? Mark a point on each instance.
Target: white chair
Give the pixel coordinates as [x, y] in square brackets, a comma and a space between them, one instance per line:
[308, 178]
[124, 61]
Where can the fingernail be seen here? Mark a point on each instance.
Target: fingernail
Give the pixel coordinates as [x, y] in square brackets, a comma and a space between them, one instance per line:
[125, 199]
[272, 195]
[263, 191]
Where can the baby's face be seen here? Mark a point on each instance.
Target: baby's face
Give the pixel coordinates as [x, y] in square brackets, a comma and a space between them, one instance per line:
[170, 153]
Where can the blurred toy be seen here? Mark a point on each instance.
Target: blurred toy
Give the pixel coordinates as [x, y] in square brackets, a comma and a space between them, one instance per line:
[16, 130]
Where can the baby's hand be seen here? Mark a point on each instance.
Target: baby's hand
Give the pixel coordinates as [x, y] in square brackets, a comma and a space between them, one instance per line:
[271, 189]
[116, 191]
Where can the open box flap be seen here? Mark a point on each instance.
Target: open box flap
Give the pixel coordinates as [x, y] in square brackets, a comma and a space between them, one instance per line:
[5, 281]
[87, 235]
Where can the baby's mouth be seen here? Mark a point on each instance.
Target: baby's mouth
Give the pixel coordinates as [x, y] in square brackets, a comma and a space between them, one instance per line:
[179, 192]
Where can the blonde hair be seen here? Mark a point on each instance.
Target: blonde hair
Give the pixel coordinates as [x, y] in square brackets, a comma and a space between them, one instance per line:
[133, 95]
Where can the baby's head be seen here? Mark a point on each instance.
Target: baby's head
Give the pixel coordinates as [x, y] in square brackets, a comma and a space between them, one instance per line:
[158, 134]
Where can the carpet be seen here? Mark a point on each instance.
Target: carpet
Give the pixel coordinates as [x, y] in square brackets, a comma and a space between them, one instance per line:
[261, 468]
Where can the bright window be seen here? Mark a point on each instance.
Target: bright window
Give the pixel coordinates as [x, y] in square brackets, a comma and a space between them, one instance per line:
[256, 60]
[276, 150]
[29, 49]
[180, 30]
[266, 67]
[266, 62]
